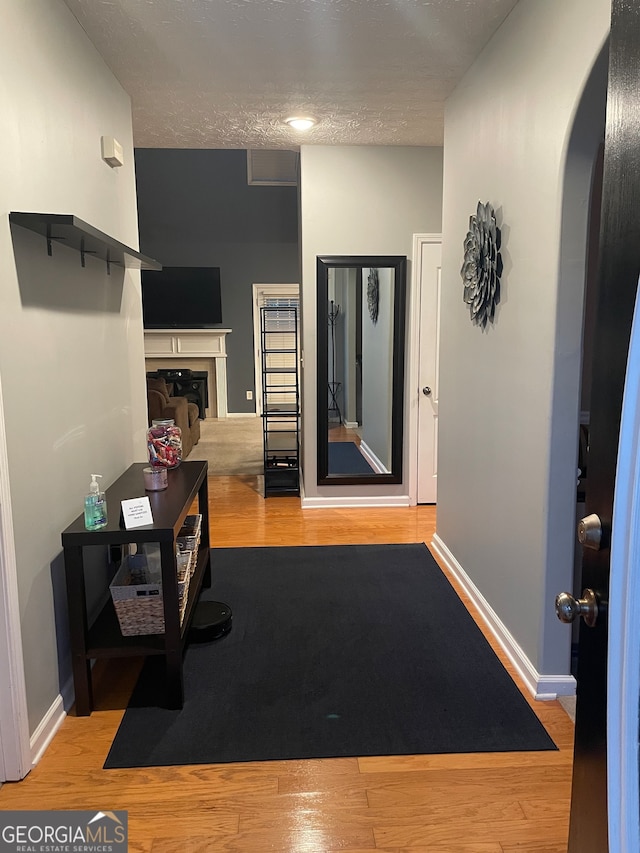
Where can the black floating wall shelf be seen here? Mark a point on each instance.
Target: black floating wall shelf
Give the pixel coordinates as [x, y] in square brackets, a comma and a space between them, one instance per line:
[73, 232]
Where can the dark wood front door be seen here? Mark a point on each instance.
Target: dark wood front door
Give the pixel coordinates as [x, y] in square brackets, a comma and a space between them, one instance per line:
[617, 284]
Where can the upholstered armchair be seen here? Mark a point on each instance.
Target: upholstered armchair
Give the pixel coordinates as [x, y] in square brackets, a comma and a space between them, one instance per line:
[179, 409]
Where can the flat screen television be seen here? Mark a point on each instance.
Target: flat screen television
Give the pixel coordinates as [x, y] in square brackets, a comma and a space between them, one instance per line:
[181, 298]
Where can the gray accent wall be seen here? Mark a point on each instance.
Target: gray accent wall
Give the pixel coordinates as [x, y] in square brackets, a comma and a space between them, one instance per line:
[359, 200]
[509, 395]
[377, 370]
[196, 209]
[71, 343]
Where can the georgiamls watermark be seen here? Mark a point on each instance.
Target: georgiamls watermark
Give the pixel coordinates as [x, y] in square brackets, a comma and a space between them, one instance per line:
[63, 832]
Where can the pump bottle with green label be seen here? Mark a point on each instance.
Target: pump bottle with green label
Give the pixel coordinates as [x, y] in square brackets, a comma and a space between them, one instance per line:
[95, 506]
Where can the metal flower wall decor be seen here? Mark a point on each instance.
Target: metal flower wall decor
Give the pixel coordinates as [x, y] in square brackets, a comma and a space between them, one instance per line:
[482, 266]
[373, 290]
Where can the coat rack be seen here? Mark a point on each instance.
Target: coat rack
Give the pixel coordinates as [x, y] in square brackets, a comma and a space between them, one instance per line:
[334, 387]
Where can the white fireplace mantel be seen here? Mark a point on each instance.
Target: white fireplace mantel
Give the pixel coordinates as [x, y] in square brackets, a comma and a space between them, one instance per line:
[190, 345]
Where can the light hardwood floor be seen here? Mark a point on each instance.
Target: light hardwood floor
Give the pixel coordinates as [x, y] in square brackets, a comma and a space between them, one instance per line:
[482, 803]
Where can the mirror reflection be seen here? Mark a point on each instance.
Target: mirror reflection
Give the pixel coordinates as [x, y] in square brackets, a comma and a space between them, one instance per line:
[360, 369]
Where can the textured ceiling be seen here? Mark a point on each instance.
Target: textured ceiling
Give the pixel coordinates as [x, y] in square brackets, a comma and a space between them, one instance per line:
[225, 73]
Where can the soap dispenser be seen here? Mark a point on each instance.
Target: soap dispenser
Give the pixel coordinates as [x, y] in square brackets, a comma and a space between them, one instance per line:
[95, 506]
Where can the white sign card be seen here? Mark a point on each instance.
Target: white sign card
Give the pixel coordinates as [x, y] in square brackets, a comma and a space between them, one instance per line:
[136, 512]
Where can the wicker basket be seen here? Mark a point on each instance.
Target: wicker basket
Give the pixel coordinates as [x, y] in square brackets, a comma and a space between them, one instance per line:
[184, 561]
[188, 538]
[137, 594]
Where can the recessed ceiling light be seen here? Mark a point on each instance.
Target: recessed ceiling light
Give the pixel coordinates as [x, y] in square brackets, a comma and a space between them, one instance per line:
[300, 122]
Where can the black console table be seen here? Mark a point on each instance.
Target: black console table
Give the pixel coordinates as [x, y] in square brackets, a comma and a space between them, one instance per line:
[103, 639]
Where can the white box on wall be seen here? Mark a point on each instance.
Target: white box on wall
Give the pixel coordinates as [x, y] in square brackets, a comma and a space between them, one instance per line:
[112, 152]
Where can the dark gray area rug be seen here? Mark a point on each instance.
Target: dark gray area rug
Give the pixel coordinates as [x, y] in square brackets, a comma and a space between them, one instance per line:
[346, 650]
[345, 458]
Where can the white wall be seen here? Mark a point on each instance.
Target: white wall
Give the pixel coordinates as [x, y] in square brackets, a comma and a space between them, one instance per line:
[71, 350]
[358, 201]
[509, 396]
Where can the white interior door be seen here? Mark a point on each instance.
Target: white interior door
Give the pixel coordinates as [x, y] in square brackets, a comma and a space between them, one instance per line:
[623, 670]
[429, 261]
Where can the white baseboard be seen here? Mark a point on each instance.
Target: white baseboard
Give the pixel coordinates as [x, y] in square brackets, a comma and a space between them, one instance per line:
[51, 722]
[355, 501]
[372, 459]
[543, 687]
[351, 424]
[241, 415]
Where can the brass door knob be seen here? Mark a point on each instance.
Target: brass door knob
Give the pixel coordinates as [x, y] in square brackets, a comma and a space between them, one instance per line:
[569, 608]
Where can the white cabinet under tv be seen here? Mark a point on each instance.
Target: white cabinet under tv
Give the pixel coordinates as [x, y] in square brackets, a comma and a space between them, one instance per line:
[195, 349]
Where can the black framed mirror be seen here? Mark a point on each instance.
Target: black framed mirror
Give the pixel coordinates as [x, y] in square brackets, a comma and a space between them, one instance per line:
[361, 342]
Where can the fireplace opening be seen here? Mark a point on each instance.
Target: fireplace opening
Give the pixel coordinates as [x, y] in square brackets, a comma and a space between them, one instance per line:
[183, 382]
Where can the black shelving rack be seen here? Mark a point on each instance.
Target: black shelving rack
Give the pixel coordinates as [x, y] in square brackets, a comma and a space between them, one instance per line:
[280, 400]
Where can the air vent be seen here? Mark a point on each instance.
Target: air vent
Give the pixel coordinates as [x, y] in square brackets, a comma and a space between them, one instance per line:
[267, 168]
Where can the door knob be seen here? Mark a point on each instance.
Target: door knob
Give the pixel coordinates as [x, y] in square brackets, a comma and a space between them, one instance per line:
[590, 532]
[426, 391]
[569, 608]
